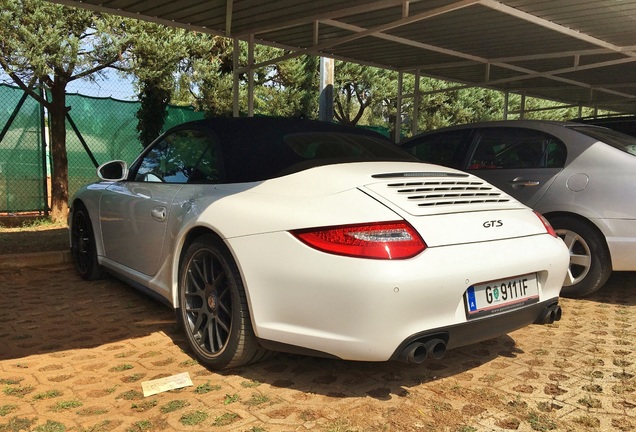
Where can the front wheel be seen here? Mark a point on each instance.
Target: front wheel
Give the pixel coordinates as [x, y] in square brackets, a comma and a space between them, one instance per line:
[213, 307]
[590, 264]
[83, 246]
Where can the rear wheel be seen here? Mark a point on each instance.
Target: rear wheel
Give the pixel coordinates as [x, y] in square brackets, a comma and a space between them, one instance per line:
[590, 264]
[83, 247]
[213, 307]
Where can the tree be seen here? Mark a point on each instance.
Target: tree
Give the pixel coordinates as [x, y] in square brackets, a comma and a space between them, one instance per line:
[160, 57]
[358, 87]
[205, 81]
[51, 45]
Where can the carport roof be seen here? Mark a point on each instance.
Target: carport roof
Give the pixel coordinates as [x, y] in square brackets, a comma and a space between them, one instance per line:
[580, 52]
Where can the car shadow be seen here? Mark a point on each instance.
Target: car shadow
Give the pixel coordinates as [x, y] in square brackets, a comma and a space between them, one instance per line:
[54, 311]
[620, 289]
[338, 379]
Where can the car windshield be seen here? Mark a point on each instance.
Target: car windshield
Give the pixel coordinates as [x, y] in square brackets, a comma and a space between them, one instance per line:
[611, 137]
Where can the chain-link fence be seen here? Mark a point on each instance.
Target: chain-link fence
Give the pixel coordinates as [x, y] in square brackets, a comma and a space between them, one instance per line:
[98, 130]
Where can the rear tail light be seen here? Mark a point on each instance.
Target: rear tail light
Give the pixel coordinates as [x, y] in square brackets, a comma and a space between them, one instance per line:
[546, 224]
[383, 240]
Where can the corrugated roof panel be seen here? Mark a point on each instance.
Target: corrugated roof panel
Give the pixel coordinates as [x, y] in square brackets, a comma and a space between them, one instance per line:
[480, 36]
[539, 36]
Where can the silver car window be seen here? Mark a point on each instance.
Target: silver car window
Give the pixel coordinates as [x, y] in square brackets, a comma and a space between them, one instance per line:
[611, 137]
[514, 148]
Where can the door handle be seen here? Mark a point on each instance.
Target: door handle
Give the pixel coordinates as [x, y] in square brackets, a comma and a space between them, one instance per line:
[523, 183]
[159, 213]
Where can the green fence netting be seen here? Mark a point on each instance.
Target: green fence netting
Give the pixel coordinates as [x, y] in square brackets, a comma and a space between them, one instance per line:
[107, 126]
[22, 170]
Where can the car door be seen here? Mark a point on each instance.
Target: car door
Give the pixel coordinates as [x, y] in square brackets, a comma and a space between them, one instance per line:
[134, 213]
[522, 162]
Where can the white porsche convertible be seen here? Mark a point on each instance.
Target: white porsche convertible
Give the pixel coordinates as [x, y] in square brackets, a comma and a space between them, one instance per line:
[293, 235]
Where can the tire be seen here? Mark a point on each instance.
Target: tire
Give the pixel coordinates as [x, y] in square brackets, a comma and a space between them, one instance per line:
[83, 247]
[213, 309]
[590, 263]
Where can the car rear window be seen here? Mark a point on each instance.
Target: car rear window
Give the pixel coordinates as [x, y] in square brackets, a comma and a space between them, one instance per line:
[611, 137]
[260, 150]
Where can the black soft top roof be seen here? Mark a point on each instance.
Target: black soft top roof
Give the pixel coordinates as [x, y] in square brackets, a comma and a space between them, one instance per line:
[258, 148]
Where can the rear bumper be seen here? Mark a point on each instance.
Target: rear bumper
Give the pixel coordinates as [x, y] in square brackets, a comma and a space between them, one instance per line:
[482, 329]
[357, 309]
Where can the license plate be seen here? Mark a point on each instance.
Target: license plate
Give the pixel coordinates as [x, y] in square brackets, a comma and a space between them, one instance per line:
[501, 295]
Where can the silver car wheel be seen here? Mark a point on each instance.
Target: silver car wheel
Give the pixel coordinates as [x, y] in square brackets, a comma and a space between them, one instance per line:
[580, 256]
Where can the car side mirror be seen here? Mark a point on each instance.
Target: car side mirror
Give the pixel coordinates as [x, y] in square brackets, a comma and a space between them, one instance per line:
[116, 170]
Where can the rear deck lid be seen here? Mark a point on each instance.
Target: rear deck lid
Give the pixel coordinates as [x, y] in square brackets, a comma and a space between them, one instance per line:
[454, 207]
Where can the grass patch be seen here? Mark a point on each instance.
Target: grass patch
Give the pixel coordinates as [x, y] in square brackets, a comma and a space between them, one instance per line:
[540, 422]
[121, 367]
[92, 411]
[133, 377]
[11, 381]
[103, 426]
[590, 402]
[7, 409]
[50, 426]
[48, 395]
[144, 405]
[125, 354]
[250, 384]
[190, 362]
[206, 388]
[225, 419]
[588, 422]
[231, 399]
[17, 391]
[17, 424]
[193, 418]
[131, 395]
[66, 405]
[44, 223]
[174, 406]
[257, 399]
[140, 426]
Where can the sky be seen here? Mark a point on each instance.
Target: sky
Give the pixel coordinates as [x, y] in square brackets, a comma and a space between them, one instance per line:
[112, 85]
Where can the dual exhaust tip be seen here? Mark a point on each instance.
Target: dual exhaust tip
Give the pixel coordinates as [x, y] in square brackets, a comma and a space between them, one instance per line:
[435, 348]
[419, 351]
[549, 315]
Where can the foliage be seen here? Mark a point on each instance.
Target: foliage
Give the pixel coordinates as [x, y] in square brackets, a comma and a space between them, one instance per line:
[156, 55]
[287, 88]
[358, 87]
[439, 107]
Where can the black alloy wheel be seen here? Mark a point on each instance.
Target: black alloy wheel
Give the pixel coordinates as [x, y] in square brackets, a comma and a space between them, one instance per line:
[213, 307]
[83, 248]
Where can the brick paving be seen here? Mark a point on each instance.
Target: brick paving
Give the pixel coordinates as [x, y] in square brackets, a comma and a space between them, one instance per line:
[73, 355]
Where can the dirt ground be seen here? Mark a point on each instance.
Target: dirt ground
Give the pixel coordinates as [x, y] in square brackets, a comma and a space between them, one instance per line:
[33, 239]
[73, 355]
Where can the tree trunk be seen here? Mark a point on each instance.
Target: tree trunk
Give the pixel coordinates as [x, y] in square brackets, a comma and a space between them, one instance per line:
[59, 176]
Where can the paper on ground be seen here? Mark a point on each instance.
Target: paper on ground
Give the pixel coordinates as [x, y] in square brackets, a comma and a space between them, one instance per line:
[164, 384]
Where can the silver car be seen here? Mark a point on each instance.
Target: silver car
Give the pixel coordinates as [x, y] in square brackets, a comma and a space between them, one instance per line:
[582, 178]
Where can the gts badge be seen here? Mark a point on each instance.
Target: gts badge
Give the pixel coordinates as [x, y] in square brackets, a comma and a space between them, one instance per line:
[493, 224]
